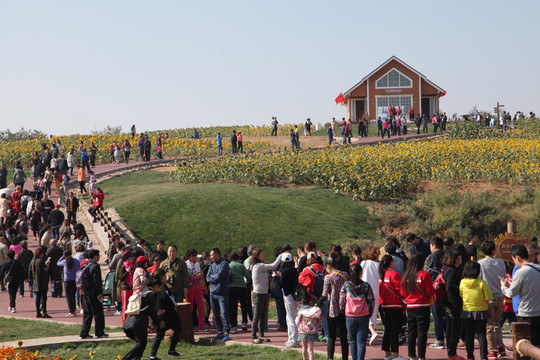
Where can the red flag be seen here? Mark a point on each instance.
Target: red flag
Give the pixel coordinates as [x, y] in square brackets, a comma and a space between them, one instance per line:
[340, 98]
[442, 94]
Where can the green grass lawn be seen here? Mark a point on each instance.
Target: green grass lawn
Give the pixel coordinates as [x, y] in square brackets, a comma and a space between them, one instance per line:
[231, 215]
[110, 351]
[21, 329]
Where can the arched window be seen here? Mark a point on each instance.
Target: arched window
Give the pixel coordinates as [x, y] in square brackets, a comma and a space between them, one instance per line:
[393, 79]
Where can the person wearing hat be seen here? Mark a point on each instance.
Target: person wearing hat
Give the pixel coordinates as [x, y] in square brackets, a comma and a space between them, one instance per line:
[288, 280]
[125, 279]
[140, 274]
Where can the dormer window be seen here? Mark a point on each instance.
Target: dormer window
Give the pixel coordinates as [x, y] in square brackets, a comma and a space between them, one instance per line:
[393, 79]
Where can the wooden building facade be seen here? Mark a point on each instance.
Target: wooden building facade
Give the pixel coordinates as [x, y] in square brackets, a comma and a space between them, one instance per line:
[392, 83]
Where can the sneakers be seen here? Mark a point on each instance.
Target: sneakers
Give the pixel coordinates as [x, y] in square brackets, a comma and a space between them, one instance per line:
[226, 337]
[492, 356]
[219, 336]
[456, 357]
[244, 327]
[402, 340]
[173, 354]
[154, 358]
[437, 345]
[322, 338]
[389, 357]
[256, 341]
[502, 352]
[117, 313]
[12, 310]
[292, 344]
[373, 338]
[234, 330]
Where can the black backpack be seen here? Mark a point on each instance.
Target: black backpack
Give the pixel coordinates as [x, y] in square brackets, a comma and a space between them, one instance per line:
[319, 282]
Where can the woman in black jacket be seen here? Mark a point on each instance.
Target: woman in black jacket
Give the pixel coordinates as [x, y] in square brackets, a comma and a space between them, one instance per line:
[136, 326]
[168, 317]
[452, 302]
[15, 275]
[287, 281]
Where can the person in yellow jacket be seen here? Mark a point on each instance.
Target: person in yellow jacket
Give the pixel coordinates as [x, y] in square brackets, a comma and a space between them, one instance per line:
[476, 294]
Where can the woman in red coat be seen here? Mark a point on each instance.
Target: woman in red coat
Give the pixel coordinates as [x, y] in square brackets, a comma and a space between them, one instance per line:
[417, 289]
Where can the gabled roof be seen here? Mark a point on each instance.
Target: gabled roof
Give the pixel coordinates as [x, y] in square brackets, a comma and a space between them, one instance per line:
[386, 63]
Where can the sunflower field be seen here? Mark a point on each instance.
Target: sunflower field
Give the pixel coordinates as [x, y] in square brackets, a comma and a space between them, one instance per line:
[173, 146]
[374, 172]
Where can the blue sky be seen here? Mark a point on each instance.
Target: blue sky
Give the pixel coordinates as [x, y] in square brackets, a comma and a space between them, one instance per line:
[77, 66]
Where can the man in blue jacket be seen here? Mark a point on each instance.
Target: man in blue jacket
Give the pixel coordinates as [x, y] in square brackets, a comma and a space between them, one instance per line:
[218, 279]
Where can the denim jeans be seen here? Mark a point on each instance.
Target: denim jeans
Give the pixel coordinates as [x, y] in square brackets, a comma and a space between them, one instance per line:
[280, 308]
[219, 308]
[324, 317]
[358, 328]
[439, 321]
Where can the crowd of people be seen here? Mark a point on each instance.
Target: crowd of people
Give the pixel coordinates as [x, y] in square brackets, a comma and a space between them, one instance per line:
[318, 296]
[322, 296]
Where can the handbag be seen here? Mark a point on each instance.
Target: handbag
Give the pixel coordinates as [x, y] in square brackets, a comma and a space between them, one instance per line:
[135, 303]
[9, 272]
[431, 301]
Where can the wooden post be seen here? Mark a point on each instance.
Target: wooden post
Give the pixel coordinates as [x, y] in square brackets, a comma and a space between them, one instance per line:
[520, 331]
[511, 227]
[497, 121]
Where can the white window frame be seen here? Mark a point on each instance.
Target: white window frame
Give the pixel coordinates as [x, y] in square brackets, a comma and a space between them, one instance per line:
[391, 96]
[394, 87]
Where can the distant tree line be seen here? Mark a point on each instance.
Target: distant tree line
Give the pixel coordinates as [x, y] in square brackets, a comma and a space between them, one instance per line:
[21, 134]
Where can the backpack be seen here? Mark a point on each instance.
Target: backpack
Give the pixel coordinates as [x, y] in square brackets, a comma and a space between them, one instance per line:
[82, 278]
[356, 305]
[342, 130]
[319, 282]
[440, 287]
[134, 304]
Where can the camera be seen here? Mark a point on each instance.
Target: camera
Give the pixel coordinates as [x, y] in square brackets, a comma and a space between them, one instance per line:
[172, 279]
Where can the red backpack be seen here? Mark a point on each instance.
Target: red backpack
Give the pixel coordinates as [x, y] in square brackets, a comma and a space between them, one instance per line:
[440, 287]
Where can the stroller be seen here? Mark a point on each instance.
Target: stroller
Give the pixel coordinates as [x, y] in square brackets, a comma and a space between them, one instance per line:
[108, 288]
